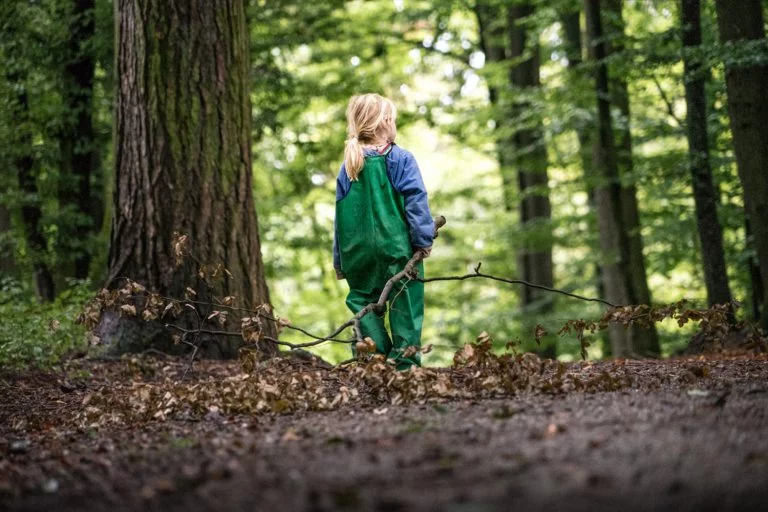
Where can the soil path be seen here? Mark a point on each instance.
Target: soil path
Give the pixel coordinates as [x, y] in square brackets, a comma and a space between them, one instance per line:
[695, 438]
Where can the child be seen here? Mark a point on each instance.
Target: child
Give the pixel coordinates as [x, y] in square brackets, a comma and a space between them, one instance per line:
[382, 219]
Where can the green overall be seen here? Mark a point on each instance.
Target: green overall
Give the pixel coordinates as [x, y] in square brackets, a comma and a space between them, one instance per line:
[374, 245]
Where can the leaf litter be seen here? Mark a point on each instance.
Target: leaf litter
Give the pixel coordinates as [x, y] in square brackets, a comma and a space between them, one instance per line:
[112, 416]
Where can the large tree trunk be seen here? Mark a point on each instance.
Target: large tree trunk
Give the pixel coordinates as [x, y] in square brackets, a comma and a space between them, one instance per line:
[704, 191]
[77, 138]
[183, 158]
[615, 238]
[530, 161]
[746, 84]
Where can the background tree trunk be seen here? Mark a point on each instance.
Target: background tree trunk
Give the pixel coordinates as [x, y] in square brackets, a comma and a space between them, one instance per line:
[7, 261]
[639, 292]
[746, 85]
[491, 35]
[183, 158]
[610, 197]
[31, 214]
[76, 140]
[574, 46]
[521, 151]
[530, 162]
[493, 41]
[704, 191]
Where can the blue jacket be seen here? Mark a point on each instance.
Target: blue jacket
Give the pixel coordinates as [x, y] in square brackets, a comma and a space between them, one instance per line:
[405, 177]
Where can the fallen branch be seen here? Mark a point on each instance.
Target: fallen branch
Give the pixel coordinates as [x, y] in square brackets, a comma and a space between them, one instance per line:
[478, 274]
[133, 299]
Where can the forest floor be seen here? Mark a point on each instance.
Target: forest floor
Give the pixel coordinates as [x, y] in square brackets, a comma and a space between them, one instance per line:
[682, 434]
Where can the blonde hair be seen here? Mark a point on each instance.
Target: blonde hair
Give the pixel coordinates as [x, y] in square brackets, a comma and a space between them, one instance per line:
[370, 117]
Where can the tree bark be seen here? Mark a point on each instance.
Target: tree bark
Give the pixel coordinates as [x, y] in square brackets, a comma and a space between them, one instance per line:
[183, 159]
[615, 238]
[746, 86]
[76, 140]
[704, 191]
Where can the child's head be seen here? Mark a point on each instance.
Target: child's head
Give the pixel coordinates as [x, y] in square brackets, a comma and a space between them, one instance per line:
[370, 120]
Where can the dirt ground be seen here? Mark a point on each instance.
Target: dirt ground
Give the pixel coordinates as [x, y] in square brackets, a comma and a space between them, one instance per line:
[686, 434]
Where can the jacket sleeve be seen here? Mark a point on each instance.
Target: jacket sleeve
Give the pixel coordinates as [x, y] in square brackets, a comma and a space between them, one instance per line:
[342, 187]
[407, 180]
[336, 254]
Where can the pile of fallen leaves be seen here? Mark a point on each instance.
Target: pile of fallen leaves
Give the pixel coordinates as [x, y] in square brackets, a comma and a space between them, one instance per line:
[284, 385]
[138, 390]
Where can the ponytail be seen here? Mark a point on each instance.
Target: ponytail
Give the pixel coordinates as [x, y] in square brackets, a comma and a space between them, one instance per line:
[353, 157]
[367, 116]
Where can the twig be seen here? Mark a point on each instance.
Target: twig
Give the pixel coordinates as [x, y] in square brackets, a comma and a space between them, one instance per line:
[665, 99]
[194, 343]
[479, 274]
[239, 334]
[251, 312]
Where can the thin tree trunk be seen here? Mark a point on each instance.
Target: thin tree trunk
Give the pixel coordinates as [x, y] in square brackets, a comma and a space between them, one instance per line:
[647, 340]
[614, 236]
[493, 41]
[521, 150]
[183, 158]
[31, 214]
[573, 44]
[7, 261]
[492, 37]
[746, 85]
[76, 141]
[704, 191]
[530, 162]
[573, 47]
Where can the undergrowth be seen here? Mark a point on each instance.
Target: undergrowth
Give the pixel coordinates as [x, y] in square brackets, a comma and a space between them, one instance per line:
[39, 335]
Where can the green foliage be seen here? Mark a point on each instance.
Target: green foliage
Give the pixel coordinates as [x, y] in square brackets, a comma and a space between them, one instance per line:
[429, 61]
[34, 49]
[39, 334]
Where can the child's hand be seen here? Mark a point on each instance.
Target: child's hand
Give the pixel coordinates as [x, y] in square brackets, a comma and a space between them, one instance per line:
[339, 274]
[425, 252]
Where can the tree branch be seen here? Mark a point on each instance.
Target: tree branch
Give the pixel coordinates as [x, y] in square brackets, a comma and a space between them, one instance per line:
[478, 274]
[665, 99]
